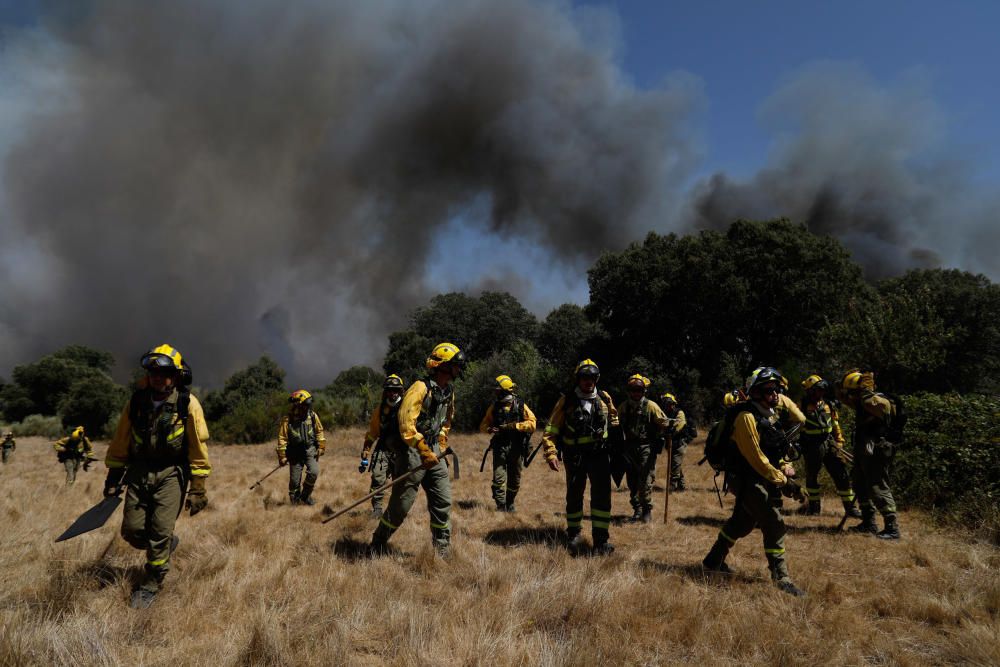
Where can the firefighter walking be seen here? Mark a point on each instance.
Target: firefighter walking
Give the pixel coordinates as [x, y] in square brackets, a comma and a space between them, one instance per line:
[74, 451]
[822, 443]
[511, 422]
[300, 444]
[383, 434]
[158, 451]
[579, 427]
[425, 416]
[643, 424]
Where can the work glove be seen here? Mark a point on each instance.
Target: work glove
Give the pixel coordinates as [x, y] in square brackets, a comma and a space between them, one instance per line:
[553, 464]
[196, 498]
[428, 459]
[282, 460]
[113, 482]
[320, 450]
[364, 465]
[791, 489]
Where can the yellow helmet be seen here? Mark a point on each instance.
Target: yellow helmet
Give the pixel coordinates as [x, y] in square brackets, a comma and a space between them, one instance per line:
[445, 353]
[504, 382]
[668, 398]
[852, 380]
[162, 356]
[78, 432]
[811, 382]
[640, 381]
[300, 397]
[588, 367]
[731, 398]
[393, 382]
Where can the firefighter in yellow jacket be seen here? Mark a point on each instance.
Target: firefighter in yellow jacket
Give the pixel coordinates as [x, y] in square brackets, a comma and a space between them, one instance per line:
[643, 424]
[9, 446]
[822, 444]
[74, 451]
[579, 428]
[383, 434]
[158, 452]
[873, 453]
[511, 422]
[300, 443]
[424, 424]
[753, 470]
[679, 437]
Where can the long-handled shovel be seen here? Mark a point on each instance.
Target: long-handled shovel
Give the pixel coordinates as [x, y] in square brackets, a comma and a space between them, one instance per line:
[387, 485]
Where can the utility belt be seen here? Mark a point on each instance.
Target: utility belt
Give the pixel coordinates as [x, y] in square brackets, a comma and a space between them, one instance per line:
[159, 464]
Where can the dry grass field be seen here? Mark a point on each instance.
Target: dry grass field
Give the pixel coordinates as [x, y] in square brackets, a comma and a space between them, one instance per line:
[258, 582]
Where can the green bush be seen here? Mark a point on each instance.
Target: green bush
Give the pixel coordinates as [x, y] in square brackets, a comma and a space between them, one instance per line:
[251, 421]
[37, 425]
[949, 462]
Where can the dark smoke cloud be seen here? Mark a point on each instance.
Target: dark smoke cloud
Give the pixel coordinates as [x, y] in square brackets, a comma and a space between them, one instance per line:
[260, 176]
[866, 164]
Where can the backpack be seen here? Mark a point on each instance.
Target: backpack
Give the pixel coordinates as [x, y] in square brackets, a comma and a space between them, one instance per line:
[717, 447]
[897, 423]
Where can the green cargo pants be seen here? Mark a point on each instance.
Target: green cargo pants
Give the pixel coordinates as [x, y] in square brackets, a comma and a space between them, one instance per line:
[581, 465]
[380, 468]
[818, 453]
[753, 509]
[153, 501]
[8, 452]
[301, 459]
[640, 474]
[72, 465]
[872, 465]
[507, 468]
[677, 448]
[437, 486]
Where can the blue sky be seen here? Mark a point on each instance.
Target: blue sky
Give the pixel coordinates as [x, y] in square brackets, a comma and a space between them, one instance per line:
[742, 51]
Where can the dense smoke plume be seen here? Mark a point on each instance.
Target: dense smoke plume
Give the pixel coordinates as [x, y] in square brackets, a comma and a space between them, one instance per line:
[869, 165]
[262, 176]
[242, 177]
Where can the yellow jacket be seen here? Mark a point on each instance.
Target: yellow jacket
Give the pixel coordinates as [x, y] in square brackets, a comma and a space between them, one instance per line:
[285, 425]
[874, 415]
[654, 415]
[527, 426]
[374, 432]
[788, 412]
[72, 445]
[558, 419]
[409, 411]
[195, 431]
[814, 427]
[680, 421]
[747, 440]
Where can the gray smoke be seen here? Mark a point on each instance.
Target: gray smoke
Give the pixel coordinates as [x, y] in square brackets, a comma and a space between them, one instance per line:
[869, 165]
[256, 176]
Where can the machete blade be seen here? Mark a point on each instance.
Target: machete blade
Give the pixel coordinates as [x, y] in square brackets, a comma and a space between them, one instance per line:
[92, 519]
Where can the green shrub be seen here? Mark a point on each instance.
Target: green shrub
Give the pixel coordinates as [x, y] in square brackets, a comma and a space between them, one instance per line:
[37, 425]
[949, 462]
[251, 421]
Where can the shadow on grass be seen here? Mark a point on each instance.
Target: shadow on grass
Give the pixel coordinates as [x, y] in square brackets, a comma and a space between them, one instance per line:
[471, 504]
[352, 550]
[696, 573]
[106, 574]
[700, 520]
[552, 537]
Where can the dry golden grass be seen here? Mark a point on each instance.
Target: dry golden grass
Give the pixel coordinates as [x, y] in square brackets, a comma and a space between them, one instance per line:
[257, 582]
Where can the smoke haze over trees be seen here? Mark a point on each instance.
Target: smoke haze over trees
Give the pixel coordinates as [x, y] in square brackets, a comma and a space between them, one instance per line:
[240, 178]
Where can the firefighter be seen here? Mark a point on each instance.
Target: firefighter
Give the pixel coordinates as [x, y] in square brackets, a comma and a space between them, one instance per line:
[74, 451]
[425, 416]
[383, 434]
[680, 435]
[157, 452]
[300, 444]
[643, 424]
[578, 427]
[822, 444]
[511, 422]
[873, 453]
[753, 469]
[9, 446]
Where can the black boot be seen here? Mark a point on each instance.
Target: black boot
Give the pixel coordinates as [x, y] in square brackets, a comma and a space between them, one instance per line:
[715, 560]
[851, 511]
[785, 585]
[814, 508]
[604, 548]
[891, 530]
[636, 515]
[576, 543]
[866, 527]
[306, 496]
[293, 497]
[647, 515]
